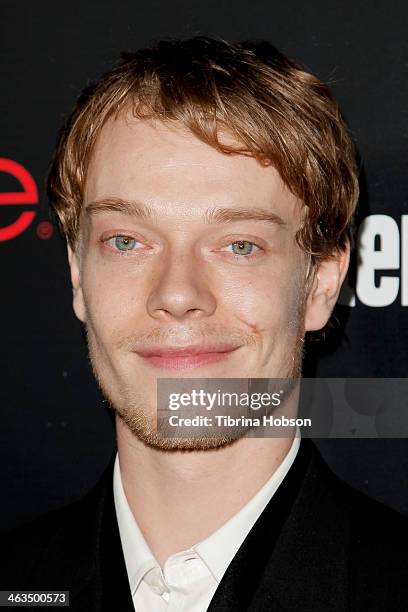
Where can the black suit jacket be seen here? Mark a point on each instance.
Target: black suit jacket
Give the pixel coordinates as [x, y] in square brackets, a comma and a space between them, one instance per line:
[318, 546]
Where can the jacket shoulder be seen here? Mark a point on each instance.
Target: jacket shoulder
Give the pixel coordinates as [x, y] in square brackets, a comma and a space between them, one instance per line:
[377, 542]
[372, 521]
[49, 541]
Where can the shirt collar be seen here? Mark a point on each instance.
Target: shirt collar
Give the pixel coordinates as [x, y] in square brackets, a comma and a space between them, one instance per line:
[216, 551]
[138, 556]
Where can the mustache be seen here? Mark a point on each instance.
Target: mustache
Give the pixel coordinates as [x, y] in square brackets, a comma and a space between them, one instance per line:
[183, 336]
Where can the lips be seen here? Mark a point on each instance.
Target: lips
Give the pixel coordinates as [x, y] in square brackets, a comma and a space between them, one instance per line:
[177, 358]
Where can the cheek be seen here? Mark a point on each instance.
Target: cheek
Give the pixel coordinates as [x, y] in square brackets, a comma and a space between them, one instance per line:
[112, 302]
[266, 303]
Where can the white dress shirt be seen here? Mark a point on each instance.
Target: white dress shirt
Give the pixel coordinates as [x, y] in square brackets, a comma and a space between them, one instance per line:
[189, 578]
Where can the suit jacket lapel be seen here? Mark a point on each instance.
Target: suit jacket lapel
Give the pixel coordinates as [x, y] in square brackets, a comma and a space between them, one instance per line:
[116, 594]
[296, 551]
[102, 584]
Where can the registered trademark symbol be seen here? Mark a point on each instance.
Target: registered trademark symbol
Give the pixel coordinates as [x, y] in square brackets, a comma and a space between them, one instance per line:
[45, 230]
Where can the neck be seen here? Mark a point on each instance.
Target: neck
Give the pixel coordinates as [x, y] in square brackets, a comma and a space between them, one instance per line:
[180, 498]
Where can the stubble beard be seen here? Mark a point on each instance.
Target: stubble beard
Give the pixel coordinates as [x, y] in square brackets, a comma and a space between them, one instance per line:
[130, 407]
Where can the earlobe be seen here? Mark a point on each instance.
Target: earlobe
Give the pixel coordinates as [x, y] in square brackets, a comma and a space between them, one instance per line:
[77, 294]
[325, 289]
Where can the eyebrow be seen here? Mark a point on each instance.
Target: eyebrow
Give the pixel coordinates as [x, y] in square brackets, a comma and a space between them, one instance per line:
[216, 215]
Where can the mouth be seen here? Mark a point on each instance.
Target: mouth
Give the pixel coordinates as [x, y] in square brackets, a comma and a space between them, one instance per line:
[180, 358]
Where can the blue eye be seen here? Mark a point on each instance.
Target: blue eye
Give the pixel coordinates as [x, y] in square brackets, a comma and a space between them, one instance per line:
[242, 247]
[123, 243]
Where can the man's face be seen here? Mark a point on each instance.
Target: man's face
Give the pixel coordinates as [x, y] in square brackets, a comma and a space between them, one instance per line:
[184, 246]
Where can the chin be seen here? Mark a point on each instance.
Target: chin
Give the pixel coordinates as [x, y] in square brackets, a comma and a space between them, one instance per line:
[144, 428]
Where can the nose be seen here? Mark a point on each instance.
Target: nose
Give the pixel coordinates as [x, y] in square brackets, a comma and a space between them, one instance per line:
[181, 289]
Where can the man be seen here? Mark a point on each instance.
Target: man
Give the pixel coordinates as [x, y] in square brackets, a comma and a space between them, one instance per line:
[206, 190]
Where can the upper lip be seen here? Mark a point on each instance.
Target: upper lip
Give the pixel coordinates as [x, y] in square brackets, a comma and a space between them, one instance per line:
[184, 351]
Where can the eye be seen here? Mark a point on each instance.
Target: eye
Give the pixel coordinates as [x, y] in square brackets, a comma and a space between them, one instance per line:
[242, 247]
[122, 243]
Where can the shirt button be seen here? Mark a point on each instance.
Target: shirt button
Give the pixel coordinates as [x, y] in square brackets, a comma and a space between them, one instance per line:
[155, 581]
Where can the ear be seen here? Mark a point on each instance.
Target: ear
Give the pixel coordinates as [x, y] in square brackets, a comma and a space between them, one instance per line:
[325, 289]
[77, 295]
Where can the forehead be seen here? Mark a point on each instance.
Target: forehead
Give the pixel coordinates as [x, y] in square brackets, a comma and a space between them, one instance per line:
[168, 167]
